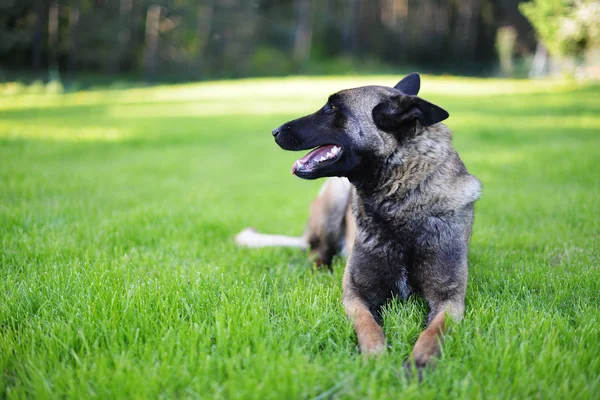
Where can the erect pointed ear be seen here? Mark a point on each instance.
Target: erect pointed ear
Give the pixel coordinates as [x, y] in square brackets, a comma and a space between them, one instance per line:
[396, 113]
[410, 84]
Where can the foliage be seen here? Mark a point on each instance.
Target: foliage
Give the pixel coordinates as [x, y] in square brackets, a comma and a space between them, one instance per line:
[197, 39]
[119, 277]
[567, 27]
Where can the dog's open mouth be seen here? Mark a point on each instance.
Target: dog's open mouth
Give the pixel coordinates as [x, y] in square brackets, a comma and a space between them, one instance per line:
[321, 155]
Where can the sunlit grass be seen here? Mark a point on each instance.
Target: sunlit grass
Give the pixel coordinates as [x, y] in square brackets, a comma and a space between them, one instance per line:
[268, 91]
[119, 278]
[35, 130]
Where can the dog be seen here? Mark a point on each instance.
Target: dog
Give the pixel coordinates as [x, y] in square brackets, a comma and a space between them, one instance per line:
[399, 201]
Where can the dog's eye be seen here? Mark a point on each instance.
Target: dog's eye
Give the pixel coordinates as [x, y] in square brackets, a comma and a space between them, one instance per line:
[329, 108]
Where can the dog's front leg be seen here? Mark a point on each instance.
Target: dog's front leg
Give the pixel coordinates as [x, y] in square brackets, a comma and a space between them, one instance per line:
[427, 347]
[371, 340]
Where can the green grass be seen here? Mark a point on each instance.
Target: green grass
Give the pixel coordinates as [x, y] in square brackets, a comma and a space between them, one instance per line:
[119, 277]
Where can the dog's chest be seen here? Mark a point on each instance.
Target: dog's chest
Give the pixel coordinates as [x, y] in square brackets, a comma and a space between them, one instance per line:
[388, 230]
[383, 264]
[404, 290]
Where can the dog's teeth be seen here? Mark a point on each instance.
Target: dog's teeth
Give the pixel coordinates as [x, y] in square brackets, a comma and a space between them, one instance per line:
[321, 159]
[299, 164]
[329, 155]
[335, 150]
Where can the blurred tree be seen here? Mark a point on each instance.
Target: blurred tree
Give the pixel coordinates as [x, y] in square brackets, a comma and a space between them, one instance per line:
[53, 18]
[567, 28]
[151, 47]
[203, 29]
[40, 14]
[124, 29]
[230, 38]
[303, 37]
[73, 25]
[505, 45]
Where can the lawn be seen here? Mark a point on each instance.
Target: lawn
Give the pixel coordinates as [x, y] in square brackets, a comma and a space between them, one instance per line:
[119, 277]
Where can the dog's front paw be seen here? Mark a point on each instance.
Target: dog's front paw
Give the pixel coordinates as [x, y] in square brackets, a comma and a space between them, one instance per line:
[373, 351]
[372, 345]
[412, 370]
[417, 363]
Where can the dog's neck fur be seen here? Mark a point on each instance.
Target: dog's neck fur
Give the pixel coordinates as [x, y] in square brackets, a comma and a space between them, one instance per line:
[415, 178]
[412, 162]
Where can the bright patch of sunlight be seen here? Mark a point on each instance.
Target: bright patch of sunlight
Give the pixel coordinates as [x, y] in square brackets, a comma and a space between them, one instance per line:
[292, 89]
[211, 108]
[549, 121]
[39, 131]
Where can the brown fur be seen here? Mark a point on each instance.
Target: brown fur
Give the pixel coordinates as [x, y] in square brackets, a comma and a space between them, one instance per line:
[412, 203]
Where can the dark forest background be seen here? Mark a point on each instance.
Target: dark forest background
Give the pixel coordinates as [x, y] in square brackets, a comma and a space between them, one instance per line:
[206, 39]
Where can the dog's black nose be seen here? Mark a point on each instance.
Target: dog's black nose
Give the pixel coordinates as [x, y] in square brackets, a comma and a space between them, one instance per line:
[276, 131]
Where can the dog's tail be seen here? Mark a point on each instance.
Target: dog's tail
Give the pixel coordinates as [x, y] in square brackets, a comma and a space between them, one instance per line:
[249, 237]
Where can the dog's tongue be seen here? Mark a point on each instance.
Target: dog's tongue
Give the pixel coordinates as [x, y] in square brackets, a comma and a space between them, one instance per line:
[313, 155]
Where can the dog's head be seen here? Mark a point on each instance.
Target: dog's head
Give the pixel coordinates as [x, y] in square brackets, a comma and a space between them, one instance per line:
[357, 128]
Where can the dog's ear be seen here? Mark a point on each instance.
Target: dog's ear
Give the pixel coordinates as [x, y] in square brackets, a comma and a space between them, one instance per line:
[410, 84]
[398, 112]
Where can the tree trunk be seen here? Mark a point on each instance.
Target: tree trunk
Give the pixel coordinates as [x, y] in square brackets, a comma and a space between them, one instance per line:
[539, 66]
[389, 13]
[204, 18]
[303, 39]
[73, 24]
[53, 41]
[38, 35]
[467, 28]
[125, 10]
[151, 47]
[368, 27]
[474, 27]
[351, 27]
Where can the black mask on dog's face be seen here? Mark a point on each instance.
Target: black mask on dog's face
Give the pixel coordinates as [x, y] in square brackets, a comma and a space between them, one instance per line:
[354, 126]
